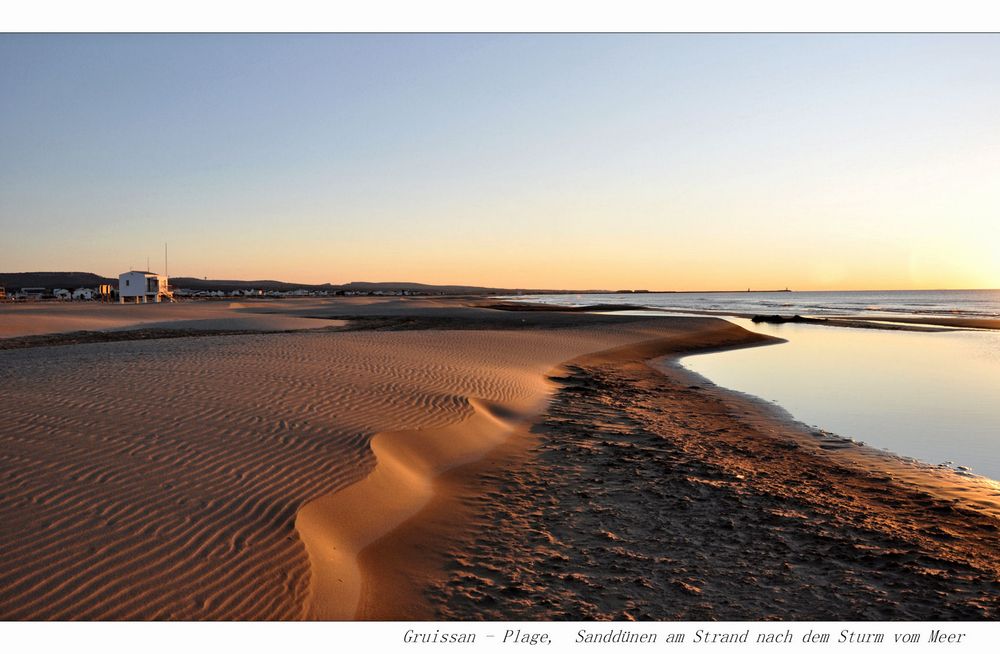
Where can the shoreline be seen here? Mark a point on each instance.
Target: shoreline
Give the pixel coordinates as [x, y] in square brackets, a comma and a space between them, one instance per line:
[774, 411]
[903, 541]
[386, 467]
[870, 471]
[890, 323]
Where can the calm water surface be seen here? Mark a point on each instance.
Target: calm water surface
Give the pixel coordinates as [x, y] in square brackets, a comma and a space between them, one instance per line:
[930, 396]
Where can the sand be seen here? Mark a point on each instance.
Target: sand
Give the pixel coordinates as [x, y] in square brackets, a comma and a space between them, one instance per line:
[430, 459]
[162, 478]
[37, 318]
[650, 496]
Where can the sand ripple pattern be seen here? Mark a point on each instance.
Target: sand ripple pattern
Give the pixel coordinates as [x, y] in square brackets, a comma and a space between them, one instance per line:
[161, 479]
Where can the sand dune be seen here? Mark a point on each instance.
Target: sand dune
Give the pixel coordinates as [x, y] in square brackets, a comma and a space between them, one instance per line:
[337, 527]
[162, 479]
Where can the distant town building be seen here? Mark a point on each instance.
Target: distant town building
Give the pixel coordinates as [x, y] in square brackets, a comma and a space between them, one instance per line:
[83, 294]
[142, 286]
[62, 294]
[32, 293]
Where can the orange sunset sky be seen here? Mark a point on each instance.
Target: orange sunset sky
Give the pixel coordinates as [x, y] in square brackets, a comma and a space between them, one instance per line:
[542, 161]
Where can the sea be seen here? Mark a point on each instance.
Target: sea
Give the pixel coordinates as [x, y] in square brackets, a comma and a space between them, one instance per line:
[880, 304]
[931, 396]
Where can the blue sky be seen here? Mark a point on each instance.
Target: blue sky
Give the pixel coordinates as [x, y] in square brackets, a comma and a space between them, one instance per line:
[663, 161]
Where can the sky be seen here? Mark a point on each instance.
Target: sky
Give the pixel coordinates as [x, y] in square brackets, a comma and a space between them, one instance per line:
[669, 162]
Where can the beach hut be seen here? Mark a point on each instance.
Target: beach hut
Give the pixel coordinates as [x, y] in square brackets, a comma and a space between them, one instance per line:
[142, 286]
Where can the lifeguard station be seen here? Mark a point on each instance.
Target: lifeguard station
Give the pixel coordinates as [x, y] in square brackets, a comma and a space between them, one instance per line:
[141, 286]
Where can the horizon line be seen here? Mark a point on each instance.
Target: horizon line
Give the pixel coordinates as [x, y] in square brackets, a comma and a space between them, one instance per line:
[636, 290]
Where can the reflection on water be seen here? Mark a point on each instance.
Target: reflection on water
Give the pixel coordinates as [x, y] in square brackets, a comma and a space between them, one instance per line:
[931, 396]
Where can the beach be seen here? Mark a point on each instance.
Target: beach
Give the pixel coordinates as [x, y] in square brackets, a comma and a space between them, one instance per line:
[421, 458]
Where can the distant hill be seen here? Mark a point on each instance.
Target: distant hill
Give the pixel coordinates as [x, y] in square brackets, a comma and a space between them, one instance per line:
[420, 288]
[52, 280]
[71, 280]
[197, 284]
[365, 287]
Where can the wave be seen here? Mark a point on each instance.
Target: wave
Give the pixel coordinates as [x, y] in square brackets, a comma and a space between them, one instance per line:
[954, 304]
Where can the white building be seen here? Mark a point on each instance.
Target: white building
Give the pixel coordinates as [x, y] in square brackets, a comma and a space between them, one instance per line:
[83, 294]
[142, 286]
[61, 294]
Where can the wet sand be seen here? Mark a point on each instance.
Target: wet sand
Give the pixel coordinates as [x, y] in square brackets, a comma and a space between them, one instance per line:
[437, 460]
[645, 496]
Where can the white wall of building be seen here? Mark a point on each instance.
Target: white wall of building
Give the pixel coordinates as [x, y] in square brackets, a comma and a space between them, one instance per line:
[133, 285]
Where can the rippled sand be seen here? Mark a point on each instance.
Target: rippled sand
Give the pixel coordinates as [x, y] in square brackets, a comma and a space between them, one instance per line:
[162, 478]
[432, 458]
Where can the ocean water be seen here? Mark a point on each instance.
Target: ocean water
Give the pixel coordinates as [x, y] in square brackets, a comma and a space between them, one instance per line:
[883, 304]
[932, 396]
